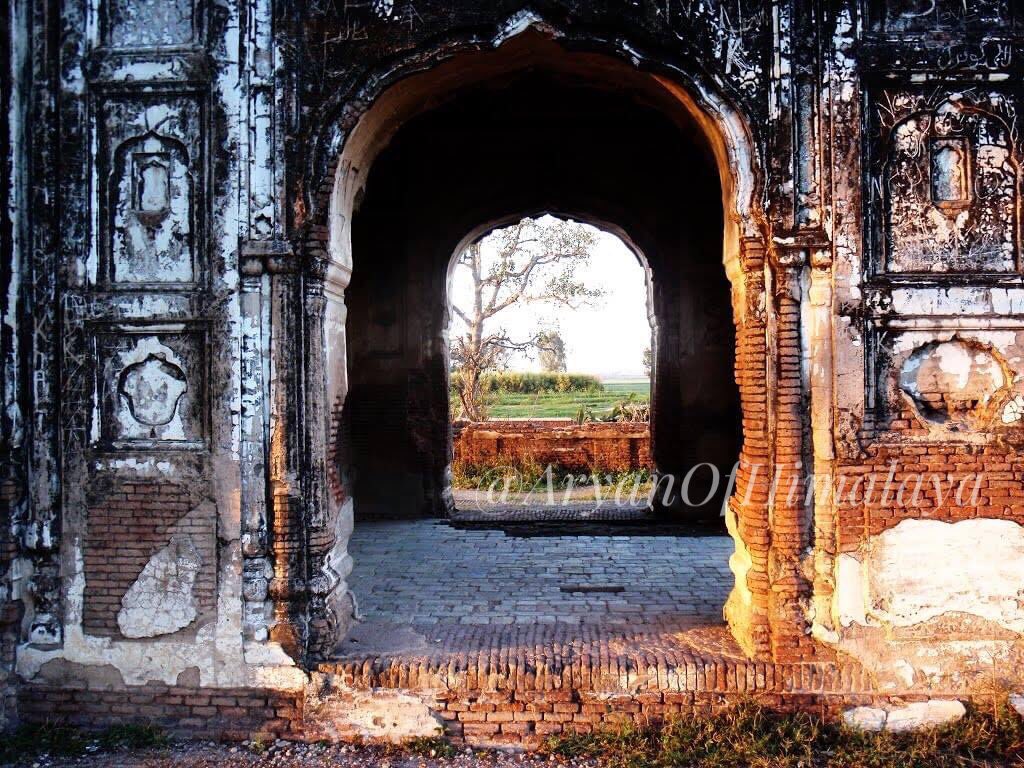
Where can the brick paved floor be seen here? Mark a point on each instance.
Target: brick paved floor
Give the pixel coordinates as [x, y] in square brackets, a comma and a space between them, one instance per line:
[426, 574]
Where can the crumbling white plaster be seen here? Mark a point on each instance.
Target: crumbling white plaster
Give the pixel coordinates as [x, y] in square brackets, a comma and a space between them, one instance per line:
[217, 650]
[923, 569]
[865, 718]
[850, 598]
[952, 381]
[739, 606]
[338, 712]
[161, 600]
[1017, 702]
[148, 350]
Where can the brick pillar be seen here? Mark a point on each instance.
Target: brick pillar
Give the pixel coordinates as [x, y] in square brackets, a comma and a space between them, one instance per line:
[789, 516]
[288, 589]
[749, 502]
[11, 494]
[821, 380]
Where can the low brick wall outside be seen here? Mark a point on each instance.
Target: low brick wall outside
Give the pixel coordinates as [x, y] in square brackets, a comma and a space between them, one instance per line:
[616, 446]
[231, 714]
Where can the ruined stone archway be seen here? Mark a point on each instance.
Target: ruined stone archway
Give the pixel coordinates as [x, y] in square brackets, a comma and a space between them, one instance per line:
[886, 269]
[733, 151]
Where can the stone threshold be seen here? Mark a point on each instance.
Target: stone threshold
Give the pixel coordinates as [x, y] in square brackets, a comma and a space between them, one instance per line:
[596, 658]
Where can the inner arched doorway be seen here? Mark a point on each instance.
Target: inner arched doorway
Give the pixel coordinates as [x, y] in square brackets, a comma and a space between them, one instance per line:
[527, 143]
[588, 137]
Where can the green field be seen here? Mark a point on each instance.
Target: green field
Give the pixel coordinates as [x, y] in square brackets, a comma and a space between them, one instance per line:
[507, 405]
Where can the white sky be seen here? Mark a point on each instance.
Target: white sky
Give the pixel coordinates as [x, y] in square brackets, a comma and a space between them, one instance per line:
[607, 339]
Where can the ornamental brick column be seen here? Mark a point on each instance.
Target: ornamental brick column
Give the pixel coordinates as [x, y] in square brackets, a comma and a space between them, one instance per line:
[821, 379]
[789, 515]
[747, 608]
[288, 589]
[257, 569]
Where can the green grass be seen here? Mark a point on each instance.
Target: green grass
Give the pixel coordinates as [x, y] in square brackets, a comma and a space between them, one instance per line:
[506, 405]
[431, 746]
[750, 736]
[58, 739]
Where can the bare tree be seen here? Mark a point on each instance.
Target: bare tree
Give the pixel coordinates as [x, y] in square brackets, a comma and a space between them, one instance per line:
[534, 261]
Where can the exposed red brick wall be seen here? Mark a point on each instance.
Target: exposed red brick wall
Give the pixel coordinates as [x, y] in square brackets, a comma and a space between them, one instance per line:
[750, 502]
[125, 528]
[863, 514]
[507, 717]
[527, 718]
[288, 537]
[616, 446]
[198, 713]
[790, 522]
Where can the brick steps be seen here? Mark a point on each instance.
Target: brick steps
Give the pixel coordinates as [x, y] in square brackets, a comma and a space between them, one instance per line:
[588, 658]
[515, 686]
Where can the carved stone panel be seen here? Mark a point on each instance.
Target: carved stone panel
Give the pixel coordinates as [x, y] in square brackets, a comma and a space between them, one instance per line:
[152, 184]
[149, 23]
[948, 183]
[922, 16]
[150, 388]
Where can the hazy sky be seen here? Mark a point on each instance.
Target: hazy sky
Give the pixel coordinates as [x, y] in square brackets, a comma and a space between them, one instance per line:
[607, 339]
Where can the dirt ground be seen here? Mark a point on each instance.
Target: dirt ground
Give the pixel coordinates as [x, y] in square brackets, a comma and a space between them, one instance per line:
[284, 754]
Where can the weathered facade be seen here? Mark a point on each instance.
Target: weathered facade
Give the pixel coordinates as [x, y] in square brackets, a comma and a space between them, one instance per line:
[197, 191]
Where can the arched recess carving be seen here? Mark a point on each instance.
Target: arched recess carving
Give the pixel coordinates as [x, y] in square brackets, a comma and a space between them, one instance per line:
[400, 95]
[951, 187]
[151, 199]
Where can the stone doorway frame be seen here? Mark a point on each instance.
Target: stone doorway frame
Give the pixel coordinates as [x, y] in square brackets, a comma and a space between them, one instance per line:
[607, 227]
[771, 529]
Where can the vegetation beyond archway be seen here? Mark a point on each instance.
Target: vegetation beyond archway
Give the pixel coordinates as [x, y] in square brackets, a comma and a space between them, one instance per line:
[536, 263]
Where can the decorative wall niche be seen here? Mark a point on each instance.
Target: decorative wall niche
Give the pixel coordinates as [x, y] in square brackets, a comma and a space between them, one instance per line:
[150, 387]
[950, 173]
[949, 184]
[954, 383]
[151, 206]
[948, 382]
[151, 231]
[149, 23]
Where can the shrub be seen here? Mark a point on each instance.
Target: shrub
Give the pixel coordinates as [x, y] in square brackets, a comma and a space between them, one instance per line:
[431, 746]
[58, 739]
[631, 409]
[525, 383]
[529, 475]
